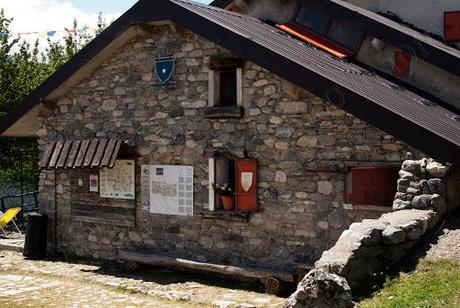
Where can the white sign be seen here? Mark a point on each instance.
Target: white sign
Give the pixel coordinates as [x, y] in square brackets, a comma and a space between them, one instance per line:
[246, 180]
[93, 183]
[167, 189]
[118, 182]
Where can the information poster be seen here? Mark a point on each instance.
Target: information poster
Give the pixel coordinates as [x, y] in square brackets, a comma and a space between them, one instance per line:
[93, 183]
[167, 189]
[118, 182]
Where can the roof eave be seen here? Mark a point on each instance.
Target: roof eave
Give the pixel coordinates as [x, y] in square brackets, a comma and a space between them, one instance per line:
[141, 12]
[394, 124]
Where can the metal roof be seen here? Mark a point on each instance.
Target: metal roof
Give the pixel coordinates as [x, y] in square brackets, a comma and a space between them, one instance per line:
[91, 153]
[336, 80]
[398, 111]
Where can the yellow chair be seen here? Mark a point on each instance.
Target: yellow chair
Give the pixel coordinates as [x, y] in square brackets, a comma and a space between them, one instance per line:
[8, 217]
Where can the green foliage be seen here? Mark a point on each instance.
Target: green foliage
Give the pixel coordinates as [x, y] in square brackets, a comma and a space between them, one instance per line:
[432, 284]
[22, 69]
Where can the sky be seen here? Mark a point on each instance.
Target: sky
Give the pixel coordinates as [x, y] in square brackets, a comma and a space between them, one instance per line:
[54, 15]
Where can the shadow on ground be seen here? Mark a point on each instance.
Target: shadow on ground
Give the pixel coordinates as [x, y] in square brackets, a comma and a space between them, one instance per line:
[169, 276]
[420, 251]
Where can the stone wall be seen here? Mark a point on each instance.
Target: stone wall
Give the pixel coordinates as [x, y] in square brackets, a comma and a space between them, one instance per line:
[365, 252]
[422, 185]
[302, 144]
[361, 255]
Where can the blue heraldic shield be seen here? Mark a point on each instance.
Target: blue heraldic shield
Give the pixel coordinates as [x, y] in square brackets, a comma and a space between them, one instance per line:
[164, 68]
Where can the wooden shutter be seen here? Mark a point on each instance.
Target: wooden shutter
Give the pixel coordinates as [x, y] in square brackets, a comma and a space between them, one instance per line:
[246, 185]
[374, 185]
[452, 26]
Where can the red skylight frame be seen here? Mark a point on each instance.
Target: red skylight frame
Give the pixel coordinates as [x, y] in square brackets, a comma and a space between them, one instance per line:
[316, 40]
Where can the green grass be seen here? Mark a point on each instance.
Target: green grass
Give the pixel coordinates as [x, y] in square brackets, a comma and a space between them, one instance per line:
[432, 284]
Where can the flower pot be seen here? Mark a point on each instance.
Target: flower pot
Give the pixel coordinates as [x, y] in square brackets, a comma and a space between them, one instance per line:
[227, 202]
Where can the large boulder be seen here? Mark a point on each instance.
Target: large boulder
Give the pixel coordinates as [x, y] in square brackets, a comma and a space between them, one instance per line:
[321, 289]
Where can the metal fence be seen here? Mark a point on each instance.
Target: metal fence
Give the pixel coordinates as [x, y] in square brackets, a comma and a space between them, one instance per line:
[28, 202]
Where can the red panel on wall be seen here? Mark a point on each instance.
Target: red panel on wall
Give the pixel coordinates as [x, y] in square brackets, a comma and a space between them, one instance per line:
[452, 26]
[374, 185]
[402, 64]
[246, 185]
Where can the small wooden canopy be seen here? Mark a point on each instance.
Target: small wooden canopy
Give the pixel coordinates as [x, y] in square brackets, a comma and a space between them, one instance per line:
[91, 153]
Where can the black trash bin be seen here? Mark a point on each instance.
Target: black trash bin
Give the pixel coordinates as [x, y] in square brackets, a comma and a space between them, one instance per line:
[35, 242]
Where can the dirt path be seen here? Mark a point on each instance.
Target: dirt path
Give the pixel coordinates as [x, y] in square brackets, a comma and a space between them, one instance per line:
[446, 245]
[67, 284]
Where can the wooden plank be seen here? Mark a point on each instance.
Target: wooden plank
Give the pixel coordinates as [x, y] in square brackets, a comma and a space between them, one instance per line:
[115, 154]
[164, 261]
[99, 153]
[56, 153]
[73, 154]
[108, 153]
[46, 156]
[81, 154]
[90, 154]
[64, 153]
[225, 63]
[104, 215]
[89, 199]
[99, 220]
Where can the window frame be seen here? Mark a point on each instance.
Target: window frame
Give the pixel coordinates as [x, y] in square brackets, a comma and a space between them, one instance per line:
[212, 165]
[214, 87]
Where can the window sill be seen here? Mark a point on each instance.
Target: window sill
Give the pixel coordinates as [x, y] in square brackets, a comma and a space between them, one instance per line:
[225, 215]
[224, 112]
[374, 208]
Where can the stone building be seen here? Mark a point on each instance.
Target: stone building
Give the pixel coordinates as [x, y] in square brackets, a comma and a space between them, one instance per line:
[141, 127]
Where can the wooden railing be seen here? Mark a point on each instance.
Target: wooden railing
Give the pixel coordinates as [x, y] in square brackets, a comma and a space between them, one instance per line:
[23, 201]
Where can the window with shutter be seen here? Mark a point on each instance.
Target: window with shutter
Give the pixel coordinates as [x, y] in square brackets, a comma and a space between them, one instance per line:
[371, 186]
[236, 178]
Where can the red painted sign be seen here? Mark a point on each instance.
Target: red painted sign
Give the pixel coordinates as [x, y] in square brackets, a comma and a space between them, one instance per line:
[246, 185]
[402, 64]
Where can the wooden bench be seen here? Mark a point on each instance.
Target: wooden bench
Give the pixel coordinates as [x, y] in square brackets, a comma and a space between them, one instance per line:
[272, 280]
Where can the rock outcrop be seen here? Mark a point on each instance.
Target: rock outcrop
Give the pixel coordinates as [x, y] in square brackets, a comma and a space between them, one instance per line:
[321, 289]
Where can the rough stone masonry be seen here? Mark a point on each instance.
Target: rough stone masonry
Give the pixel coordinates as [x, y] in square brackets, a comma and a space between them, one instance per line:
[368, 249]
[304, 148]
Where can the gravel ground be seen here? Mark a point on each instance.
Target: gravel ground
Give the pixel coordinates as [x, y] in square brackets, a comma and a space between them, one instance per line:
[76, 284]
[446, 245]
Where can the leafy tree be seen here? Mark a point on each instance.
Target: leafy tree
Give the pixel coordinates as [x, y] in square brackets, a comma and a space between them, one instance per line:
[22, 69]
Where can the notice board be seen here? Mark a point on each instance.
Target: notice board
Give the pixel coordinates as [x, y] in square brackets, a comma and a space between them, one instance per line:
[167, 189]
[119, 181]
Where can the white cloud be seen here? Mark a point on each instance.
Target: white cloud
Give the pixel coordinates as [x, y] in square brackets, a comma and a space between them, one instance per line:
[47, 15]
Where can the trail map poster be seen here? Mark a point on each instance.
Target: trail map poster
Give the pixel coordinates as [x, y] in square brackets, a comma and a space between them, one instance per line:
[118, 182]
[167, 189]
